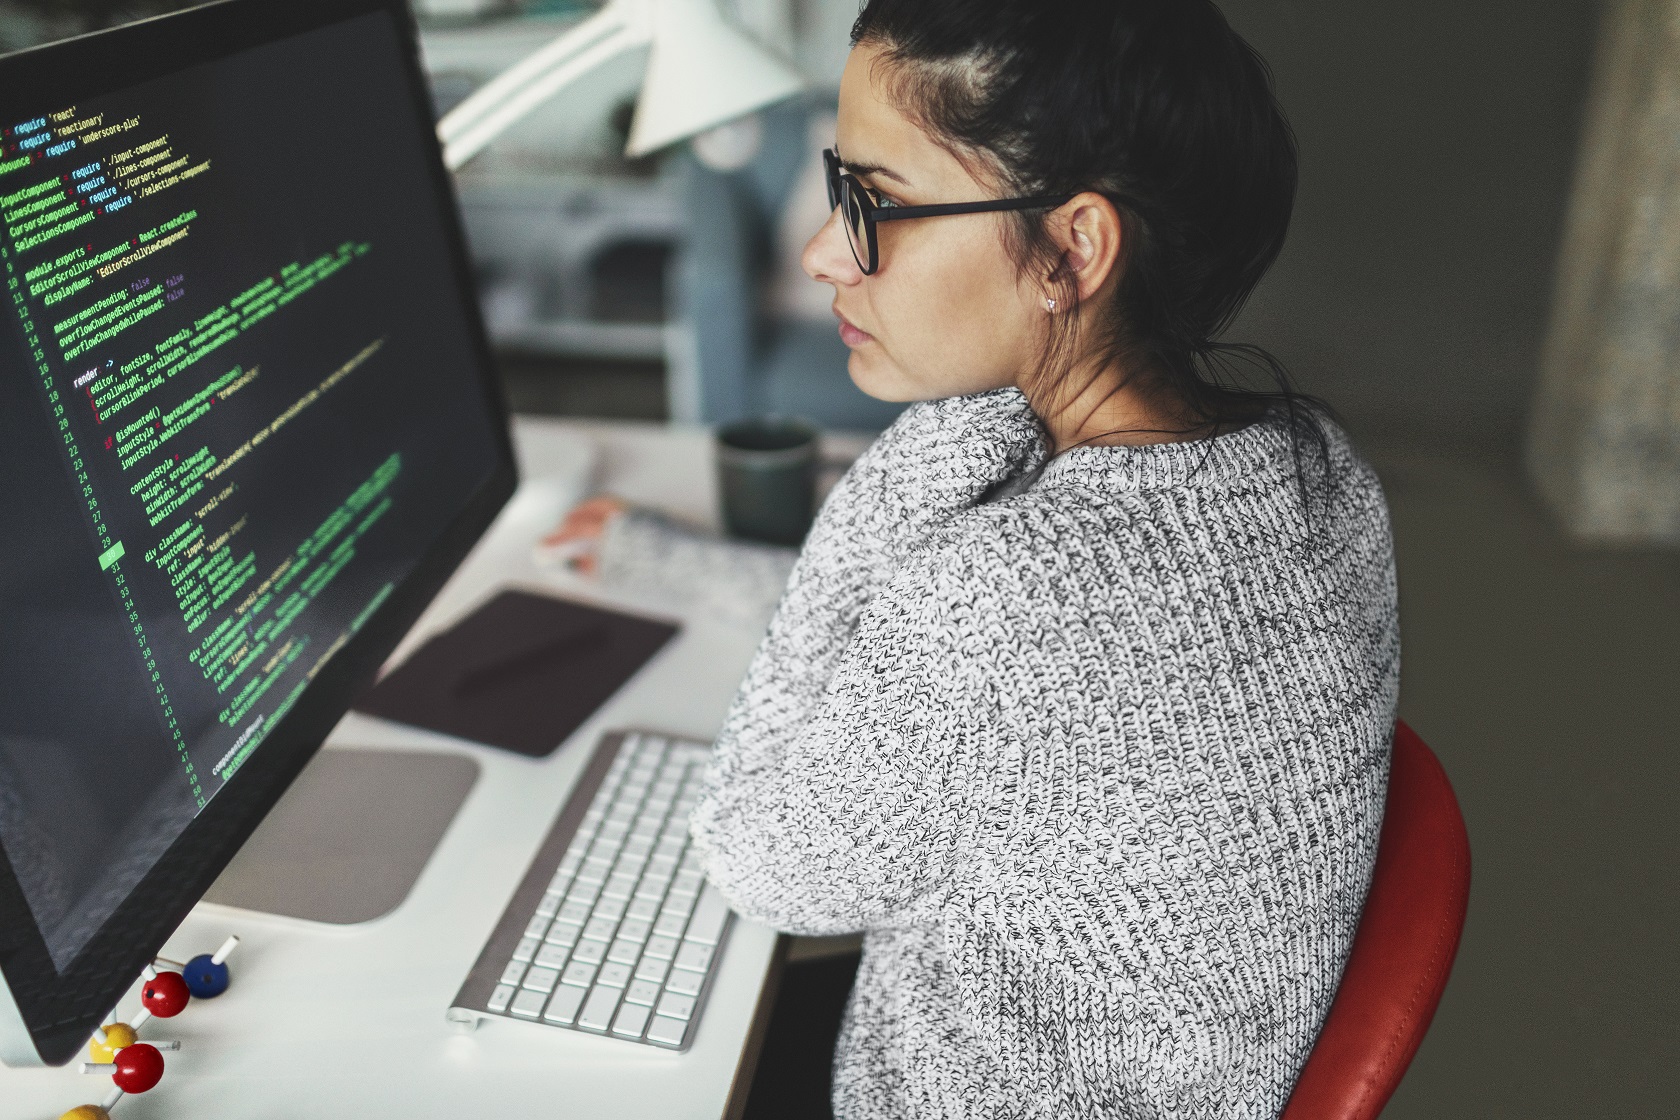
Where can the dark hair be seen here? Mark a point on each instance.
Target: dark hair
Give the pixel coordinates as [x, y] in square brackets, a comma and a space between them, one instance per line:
[1164, 109]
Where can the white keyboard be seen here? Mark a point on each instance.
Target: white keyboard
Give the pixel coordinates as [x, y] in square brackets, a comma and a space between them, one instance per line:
[614, 930]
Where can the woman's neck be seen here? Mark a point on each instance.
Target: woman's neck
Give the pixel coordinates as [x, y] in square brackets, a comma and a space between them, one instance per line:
[1108, 408]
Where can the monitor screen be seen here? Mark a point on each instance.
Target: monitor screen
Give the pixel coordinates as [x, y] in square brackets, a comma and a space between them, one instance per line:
[244, 402]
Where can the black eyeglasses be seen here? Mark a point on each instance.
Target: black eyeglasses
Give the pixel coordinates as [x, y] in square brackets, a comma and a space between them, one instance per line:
[859, 212]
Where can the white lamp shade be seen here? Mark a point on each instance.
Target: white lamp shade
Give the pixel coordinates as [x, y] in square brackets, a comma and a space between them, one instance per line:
[702, 72]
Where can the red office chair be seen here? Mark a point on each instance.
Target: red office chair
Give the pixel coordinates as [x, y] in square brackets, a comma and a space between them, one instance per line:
[1403, 950]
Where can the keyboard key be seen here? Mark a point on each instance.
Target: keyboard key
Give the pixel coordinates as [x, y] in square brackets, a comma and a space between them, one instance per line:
[528, 1003]
[610, 908]
[605, 848]
[553, 956]
[564, 933]
[652, 887]
[590, 952]
[631, 1019]
[676, 1006]
[642, 991]
[548, 905]
[598, 1012]
[686, 983]
[619, 886]
[611, 831]
[680, 904]
[633, 929]
[575, 911]
[667, 1031]
[671, 923]
[709, 916]
[513, 973]
[563, 1007]
[671, 847]
[600, 929]
[502, 996]
[526, 949]
[637, 847]
[694, 957]
[579, 973]
[643, 909]
[662, 948]
[595, 870]
[613, 975]
[687, 882]
[571, 861]
[652, 969]
[625, 951]
[541, 979]
[585, 893]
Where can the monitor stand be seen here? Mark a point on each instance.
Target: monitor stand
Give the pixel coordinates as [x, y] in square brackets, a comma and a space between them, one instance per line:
[348, 839]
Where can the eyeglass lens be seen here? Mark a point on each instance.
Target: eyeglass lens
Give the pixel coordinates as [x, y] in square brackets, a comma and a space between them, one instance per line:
[851, 213]
[842, 194]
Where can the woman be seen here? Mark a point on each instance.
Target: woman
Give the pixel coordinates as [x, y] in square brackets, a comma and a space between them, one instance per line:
[1078, 701]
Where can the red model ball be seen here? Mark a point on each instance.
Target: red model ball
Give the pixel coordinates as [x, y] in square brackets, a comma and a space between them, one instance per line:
[165, 995]
[139, 1067]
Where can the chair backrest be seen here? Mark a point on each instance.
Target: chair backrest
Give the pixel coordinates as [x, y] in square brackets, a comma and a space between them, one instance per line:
[1403, 950]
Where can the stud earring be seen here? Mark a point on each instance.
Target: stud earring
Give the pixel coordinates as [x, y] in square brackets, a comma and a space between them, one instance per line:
[1049, 304]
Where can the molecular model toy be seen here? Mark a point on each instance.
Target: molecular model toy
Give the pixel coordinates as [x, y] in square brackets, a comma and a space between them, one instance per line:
[116, 1049]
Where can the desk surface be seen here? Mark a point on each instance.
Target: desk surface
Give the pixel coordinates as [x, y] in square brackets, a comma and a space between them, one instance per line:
[348, 1021]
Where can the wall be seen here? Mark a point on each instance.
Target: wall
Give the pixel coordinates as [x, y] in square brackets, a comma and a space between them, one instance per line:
[1438, 140]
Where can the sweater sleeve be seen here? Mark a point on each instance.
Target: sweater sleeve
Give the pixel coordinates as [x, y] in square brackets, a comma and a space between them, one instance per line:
[833, 812]
[649, 553]
[937, 460]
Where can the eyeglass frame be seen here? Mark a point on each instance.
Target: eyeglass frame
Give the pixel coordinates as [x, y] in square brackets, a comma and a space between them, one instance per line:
[841, 183]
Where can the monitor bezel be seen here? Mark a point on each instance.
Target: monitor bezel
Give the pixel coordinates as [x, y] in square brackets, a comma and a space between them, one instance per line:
[35, 994]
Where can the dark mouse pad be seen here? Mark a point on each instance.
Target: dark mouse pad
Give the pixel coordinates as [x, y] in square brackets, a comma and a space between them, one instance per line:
[522, 672]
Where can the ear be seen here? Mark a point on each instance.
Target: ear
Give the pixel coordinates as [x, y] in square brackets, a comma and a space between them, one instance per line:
[1087, 228]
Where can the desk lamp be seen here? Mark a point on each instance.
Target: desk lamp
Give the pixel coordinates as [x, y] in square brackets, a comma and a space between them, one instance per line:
[702, 72]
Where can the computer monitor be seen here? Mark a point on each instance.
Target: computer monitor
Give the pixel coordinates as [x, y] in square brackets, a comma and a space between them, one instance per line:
[248, 426]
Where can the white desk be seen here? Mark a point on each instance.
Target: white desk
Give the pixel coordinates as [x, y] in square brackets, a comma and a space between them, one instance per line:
[348, 1021]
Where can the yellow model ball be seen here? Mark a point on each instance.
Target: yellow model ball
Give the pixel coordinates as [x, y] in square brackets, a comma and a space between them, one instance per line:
[117, 1035]
[86, 1112]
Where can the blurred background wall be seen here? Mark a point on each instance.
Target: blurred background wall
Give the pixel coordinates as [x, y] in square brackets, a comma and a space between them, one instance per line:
[1438, 140]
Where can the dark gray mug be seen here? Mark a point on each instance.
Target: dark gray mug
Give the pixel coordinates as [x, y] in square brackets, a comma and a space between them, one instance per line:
[767, 478]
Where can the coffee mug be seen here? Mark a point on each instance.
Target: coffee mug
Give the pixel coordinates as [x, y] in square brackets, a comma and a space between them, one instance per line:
[767, 478]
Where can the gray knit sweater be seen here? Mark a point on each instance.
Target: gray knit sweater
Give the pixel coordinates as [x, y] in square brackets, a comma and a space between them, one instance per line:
[1097, 765]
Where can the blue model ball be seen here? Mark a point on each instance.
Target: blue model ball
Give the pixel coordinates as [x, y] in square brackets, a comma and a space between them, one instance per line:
[205, 978]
